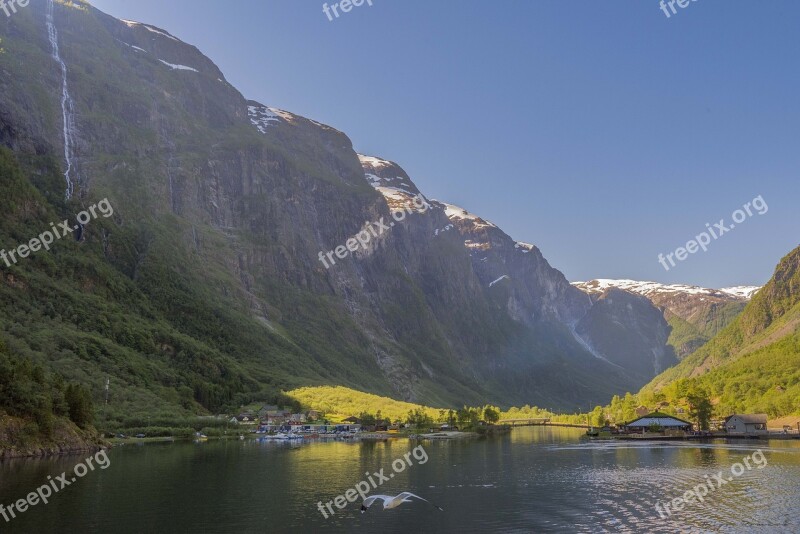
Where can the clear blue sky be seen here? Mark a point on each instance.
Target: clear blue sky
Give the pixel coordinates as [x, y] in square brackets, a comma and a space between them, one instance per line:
[603, 132]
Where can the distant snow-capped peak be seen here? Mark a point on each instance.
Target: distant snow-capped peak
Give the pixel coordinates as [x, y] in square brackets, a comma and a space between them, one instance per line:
[649, 289]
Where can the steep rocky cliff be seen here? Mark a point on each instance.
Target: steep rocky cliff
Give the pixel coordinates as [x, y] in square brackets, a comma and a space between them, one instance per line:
[207, 288]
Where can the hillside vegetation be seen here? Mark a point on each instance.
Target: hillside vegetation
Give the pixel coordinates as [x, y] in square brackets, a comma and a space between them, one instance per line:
[39, 411]
[753, 365]
[99, 309]
[686, 337]
[338, 403]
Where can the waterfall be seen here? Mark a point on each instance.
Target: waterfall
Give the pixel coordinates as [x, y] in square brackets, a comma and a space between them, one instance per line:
[67, 105]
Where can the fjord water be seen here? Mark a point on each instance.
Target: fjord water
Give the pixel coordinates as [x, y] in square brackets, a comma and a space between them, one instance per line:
[534, 480]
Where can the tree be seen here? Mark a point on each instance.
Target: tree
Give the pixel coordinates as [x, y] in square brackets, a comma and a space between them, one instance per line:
[629, 406]
[367, 419]
[597, 417]
[419, 418]
[468, 417]
[79, 401]
[700, 408]
[491, 414]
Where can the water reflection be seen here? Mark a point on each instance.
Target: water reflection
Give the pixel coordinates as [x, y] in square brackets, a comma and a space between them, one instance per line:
[534, 480]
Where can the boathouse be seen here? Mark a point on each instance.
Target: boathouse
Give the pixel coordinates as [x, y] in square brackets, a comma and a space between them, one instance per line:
[659, 422]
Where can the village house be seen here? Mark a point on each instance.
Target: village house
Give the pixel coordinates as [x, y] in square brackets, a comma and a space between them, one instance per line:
[275, 417]
[267, 408]
[748, 424]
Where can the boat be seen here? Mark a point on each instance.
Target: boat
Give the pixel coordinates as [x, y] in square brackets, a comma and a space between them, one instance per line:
[280, 436]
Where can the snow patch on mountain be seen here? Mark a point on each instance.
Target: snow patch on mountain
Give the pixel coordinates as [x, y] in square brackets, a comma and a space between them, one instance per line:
[177, 67]
[478, 245]
[655, 288]
[499, 279]
[745, 292]
[455, 212]
[383, 183]
[133, 23]
[397, 193]
[134, 47]
[285, 115]
[396, 197]
[373, 162]
[261, 117]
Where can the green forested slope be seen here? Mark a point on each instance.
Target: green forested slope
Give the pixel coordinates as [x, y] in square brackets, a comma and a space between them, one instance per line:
[753, 365]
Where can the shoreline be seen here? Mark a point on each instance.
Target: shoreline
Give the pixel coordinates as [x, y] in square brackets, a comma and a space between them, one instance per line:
[19, 439]
[56, 451]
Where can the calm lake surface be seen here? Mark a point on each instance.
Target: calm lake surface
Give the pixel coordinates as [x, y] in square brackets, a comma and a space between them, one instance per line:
[534, 480]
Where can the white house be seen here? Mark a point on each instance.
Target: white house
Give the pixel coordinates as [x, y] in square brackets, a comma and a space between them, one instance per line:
[746, 424]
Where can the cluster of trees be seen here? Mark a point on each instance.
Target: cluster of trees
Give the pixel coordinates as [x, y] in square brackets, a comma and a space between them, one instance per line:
[690, 396]
[466, 417]
[527, 412]
[28, 392]
[377, 419]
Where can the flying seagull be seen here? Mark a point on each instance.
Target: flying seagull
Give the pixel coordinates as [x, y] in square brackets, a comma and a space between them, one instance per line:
[390, 502]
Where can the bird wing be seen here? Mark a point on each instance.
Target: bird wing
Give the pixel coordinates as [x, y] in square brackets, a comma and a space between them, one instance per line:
[372, 498]
[406, 497]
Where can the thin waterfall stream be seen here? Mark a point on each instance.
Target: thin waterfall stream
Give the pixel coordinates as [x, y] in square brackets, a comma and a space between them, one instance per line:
[67, 104]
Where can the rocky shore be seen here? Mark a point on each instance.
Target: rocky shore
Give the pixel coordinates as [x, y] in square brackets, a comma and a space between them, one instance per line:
[20, 438]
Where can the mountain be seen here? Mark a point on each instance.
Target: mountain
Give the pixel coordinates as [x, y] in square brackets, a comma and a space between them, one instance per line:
[753, 365]
[629, 332]
[532, 293]
[252, 250]
[695, 314]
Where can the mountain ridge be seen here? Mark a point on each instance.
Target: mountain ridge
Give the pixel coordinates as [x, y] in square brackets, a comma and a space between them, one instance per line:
[695, 314]
[205, 292]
